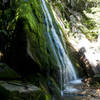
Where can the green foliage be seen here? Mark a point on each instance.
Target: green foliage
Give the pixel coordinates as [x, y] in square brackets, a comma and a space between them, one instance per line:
[59, 6]
[88, 22]
[26, 19]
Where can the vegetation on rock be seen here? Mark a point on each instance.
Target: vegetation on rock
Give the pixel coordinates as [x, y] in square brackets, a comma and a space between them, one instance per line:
[25, 48]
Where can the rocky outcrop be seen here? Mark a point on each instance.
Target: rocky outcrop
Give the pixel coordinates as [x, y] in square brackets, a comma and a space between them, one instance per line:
[30, 52]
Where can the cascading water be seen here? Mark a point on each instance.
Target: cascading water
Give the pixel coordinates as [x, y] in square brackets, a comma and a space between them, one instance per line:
[67, 72]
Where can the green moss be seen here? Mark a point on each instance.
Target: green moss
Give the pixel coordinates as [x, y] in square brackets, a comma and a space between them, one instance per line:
[7, 73]
[28, 23]
[30, 13]
[30, 18]
[59, 6]
[4, 94]
[88, 23]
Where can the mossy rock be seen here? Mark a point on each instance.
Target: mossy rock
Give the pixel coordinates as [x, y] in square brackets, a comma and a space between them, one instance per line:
[29, 41]
[7, 73]
[15, 91]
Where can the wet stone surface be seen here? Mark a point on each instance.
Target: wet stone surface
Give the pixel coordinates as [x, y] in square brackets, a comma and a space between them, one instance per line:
[85, 92]
[18, 91]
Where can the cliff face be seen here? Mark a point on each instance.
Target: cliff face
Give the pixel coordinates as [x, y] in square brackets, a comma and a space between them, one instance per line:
[30, 49]
[27, 49]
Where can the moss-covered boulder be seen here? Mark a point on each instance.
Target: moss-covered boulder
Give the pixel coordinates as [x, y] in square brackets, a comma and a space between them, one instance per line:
[18, 91]
[7, 73]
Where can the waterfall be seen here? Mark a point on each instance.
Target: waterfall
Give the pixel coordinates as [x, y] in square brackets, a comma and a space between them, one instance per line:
[67, 71]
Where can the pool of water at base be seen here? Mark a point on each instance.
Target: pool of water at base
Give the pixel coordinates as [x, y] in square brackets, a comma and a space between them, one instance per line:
[65, 97]
[73, 92]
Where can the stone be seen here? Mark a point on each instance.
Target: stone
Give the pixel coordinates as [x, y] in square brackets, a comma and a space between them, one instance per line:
[17, 91]
[97, 77]
[98, 66]
[7, 73]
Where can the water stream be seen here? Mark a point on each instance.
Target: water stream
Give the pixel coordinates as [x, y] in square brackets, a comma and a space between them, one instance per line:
[67, 71]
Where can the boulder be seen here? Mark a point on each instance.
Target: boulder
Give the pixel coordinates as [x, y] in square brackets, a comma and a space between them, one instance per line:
[18, 91]
[7, 73]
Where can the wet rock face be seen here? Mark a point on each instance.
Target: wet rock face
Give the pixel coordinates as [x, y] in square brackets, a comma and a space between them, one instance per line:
[30, 52]
[82, 51]
[18, 58]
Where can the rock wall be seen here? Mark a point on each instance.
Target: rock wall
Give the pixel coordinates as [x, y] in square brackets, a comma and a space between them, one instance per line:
[29, 50]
